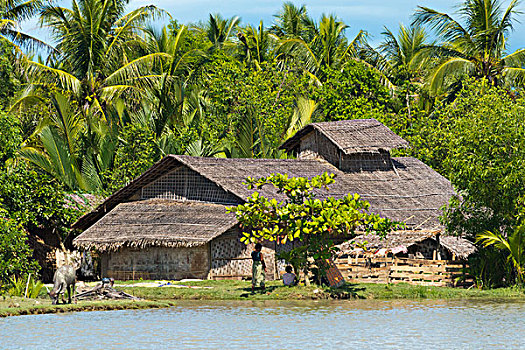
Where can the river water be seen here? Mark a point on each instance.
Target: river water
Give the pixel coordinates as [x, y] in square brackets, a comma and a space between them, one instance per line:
[362, 324]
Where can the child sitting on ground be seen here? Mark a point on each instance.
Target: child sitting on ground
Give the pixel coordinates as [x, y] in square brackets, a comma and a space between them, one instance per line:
[289, 278]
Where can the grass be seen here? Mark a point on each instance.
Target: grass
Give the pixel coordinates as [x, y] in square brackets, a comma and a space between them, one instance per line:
[158, 297]
[241, 290]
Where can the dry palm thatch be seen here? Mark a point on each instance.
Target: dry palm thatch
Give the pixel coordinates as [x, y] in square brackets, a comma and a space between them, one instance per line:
[157, 223]
[352, 136]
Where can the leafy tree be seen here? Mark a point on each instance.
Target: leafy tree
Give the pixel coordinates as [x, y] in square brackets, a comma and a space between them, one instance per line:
[302, 217]
[9, 84]
[135, 155]
[354, 92]
[477, 48]
[15, 254]
[478, 142]
[10, 137]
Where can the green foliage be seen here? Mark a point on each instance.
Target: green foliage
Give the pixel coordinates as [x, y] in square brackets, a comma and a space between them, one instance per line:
[490, 269]
[513, 245]
[474, 44]
[478, 143]
[236, 92]
[28, 287]
[8, 82]
[354, 92]
[10, 136]
[36, 202]
[136, 153]
[15, 254]
[302, 217]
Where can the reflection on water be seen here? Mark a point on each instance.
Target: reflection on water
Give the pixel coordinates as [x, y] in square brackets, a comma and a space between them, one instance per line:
[279, 325]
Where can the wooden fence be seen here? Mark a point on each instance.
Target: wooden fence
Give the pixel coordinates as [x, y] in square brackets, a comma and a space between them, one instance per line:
[451, 273]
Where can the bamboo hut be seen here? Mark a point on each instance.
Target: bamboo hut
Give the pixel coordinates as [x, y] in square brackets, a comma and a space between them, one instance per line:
[421, 244]
[171, 221]
[423, 257]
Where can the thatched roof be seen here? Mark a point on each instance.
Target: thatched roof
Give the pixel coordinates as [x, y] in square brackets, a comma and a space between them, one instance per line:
[457, 245]
[411, 192]
[157, 222]
[352, 136]
[404, 239]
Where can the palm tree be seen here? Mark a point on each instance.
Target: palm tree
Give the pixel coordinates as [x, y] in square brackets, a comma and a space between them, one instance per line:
[168, 93]
[255, 44]
[59, 152]
[292, 22]
[328, 47]
[514, 244]
[96, 43]
[219, 29]
[402, 60]
[12, 12]
[478, 47]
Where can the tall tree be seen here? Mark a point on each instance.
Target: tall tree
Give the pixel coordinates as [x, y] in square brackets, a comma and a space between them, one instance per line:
[96, 43]
[475, 44]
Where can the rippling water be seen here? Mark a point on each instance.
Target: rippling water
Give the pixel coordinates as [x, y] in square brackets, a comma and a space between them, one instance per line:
[278, 325]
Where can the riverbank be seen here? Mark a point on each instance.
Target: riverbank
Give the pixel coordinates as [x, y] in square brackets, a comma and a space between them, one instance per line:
[160, 294]
[16, 306]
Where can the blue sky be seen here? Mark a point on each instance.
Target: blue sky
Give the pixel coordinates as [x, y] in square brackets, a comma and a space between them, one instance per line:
[370, 15]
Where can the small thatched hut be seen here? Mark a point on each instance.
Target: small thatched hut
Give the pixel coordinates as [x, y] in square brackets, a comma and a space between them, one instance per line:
[422, 244]
[171, 221]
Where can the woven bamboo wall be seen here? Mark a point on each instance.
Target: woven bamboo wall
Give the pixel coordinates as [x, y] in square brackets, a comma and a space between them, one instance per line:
[232, 259]
[366, 162]
[315, 145]
[186, 184]
[156, 263]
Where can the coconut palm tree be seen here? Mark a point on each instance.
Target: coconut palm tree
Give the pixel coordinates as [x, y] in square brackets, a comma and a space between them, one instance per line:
[474, 44]
[219, 29]
[168, 93]
[59, 151]
[514, 245]
[12, 12]
[401, 53]
[328, 47]
[255, 44]
[96, 43]
[292, 22]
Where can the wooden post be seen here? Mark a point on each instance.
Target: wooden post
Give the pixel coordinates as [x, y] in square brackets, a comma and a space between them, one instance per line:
[27, 285]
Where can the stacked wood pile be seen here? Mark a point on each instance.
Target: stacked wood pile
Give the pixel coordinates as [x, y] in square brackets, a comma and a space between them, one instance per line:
[440, 273]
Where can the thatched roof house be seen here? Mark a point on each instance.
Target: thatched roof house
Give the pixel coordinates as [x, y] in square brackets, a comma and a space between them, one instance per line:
[176, 210]
[410, 243]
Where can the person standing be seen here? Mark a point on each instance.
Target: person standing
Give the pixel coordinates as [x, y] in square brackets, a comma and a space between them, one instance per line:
[258, 268]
